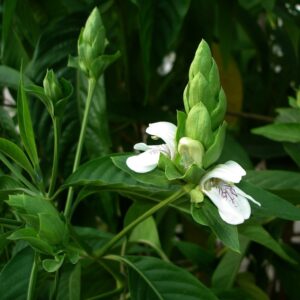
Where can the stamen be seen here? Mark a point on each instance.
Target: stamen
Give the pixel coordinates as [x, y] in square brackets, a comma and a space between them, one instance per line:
[228, 192]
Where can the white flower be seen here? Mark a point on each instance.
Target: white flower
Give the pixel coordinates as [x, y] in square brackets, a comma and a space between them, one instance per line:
[232, 203]
[148, 160]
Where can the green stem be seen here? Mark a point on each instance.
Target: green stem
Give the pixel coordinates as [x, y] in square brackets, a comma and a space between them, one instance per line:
[100, 252]
[91, 89]
[32, 279]
[10, 222]
[18, 174]
[56, 129]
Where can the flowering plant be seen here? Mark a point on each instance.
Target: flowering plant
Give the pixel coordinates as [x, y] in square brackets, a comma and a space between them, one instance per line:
[194, 211]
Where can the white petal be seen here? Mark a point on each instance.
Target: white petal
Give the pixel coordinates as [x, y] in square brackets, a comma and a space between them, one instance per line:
[163, 148]
[233, 208]
[144, 162]
[228, 172]
[240, 192]
[166, 131]
[141, 147]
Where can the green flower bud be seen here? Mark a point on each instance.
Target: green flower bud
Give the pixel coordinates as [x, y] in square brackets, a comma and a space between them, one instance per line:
[205, 105]
[91, 42]
[57, 92]
[92, 26]
[198, 125]
[202, 61]
[196, 195]
[52, 87]
[191, 152]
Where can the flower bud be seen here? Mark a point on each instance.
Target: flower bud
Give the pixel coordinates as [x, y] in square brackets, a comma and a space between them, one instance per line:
[57, 92]
[198, 125]
[94, 27]
[196, 195]
[52, 87]
[202, 61]
[191, 152]
[91, 42]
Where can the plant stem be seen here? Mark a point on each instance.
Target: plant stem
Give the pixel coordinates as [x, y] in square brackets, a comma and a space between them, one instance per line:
[100, 252]
[32, 279]
[91, 89]
[10, 222]
[56, 130]
[245, 115]
[18, 174]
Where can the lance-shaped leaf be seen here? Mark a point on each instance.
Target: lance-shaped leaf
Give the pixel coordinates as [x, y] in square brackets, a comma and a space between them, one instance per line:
[153, 279]
[13, 151]
[280, 132]
[15, 275]
[25, 125]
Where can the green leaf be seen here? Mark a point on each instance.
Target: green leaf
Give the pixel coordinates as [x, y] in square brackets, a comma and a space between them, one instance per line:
[32, 205]
[16, 154]
[89, 286]
[293, 150]
[226, 271]
[15, 275]
[207, 214]
[3, 240]
[52, 265]
[247, 283]
[69, 285]
[90, 238]
[259, 235]
[154, 279]
[271, 205]
[8, 186]
[11, 77]
[195, 253]
[146, 231]
[274, 180]
[39, 93]
[280, 132]
[51, 228]
[101, 63]
[30, 235]
[25, 125]
[7, 17]
[103, 173]
[288, 115]
[240, 154]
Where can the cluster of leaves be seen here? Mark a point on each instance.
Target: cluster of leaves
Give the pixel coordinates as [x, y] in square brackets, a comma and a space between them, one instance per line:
[47, 254]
